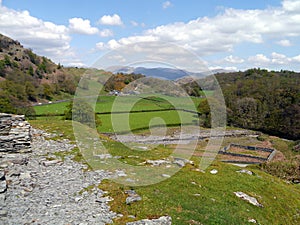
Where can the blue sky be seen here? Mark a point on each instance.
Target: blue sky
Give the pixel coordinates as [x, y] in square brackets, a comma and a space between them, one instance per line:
[230, 34]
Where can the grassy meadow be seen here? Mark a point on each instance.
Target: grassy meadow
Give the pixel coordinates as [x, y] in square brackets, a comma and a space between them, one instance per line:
[190, 196]
[144, 111]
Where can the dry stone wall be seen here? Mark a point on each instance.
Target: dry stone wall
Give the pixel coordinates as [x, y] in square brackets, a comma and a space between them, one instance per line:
[14, 133]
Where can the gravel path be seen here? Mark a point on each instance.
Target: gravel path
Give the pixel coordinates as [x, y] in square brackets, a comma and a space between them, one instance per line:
[57, 192]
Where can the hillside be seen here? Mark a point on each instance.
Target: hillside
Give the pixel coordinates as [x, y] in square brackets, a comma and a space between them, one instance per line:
[258, 99]
[27, 78]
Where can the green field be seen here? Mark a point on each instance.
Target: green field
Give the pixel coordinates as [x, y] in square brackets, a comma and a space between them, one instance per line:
[125, 103]
[145, 111]
[121, 123]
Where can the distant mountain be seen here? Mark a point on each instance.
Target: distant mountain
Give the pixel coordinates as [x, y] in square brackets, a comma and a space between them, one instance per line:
[158, 72]
[163, 73]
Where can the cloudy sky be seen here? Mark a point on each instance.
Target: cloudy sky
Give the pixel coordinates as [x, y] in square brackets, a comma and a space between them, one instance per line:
[230, 34]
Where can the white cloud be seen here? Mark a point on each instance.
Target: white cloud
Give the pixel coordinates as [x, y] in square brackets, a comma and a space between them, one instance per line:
[234, 59]
[113, 44]
[227, 68]
[100, 46]
[134, 23]
[45, 38]
[106, 33]
[280, 59]
[284, 43]
[167, 4]
[223, 32]
[77, 64]
[296, 59]
[114, 20]
[291, 5]
[259, 59]
[81, 26]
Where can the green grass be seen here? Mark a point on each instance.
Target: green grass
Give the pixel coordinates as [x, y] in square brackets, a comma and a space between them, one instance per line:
[127, 103]
[62, 128]
[55, 108]
[141, 121]
[216, 203]
[286, 147]
[140, 103]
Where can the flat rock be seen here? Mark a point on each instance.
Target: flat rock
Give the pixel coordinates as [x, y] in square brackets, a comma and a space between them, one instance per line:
[164, 220]
[214, 171]
[166, 175]
[3, 186]
[104, 156]
[157, 162]
[25, 175]
[104, 199]
[252, 221]
[3, 213]
[52, 162]
[248, 198]
[132, 197]
[2, 200]
[245, 171]
[181, 162]
[121, 173]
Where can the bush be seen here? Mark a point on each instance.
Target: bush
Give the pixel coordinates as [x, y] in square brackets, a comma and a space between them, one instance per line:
[287, 170]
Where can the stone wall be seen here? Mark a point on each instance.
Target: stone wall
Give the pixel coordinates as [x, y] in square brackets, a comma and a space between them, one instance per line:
[14, 133]
[226, 151]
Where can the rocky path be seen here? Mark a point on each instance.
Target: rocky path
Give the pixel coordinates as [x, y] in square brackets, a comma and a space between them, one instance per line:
[40, 191]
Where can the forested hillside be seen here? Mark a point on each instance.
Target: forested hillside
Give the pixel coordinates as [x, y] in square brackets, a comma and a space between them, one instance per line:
[262, 100]
[26, 78]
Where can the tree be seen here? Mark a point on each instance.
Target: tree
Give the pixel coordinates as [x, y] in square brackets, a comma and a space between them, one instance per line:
[5, 104]
[82, 112]
[30, 71]
[30, 91]
[204, 113]
[84, 84]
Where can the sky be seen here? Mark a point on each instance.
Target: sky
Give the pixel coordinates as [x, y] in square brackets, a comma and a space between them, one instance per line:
[224, 34]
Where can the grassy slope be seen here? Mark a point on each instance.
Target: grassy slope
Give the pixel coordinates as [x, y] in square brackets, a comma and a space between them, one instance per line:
[216, 204]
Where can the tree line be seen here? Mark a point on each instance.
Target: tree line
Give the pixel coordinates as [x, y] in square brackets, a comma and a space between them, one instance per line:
[258, 99]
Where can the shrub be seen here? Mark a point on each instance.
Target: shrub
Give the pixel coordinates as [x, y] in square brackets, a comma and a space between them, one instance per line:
[287, 170]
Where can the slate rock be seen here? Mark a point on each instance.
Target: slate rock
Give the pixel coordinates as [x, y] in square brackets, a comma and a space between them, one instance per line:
[248, 198]
[164, 220]
[3, 186]
[132, 197]
[245, 171]
[214, 171]
[2, 175]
